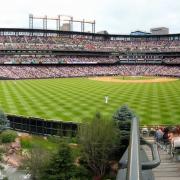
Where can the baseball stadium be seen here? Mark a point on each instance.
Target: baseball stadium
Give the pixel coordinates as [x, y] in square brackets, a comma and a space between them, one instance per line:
[66, 75]
[52, 82]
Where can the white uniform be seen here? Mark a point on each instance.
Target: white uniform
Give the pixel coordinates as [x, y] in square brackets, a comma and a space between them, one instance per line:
[106, 99]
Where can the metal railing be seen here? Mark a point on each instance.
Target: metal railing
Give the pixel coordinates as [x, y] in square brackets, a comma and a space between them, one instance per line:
[132, 165]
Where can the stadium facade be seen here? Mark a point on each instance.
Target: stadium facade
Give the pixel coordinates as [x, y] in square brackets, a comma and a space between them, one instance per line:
[37, 53]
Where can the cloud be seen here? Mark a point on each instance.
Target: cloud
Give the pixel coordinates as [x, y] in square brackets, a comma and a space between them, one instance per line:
[116, 16]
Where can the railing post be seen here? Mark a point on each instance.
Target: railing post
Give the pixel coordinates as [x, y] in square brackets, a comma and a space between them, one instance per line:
[132, 167]
[134, 164]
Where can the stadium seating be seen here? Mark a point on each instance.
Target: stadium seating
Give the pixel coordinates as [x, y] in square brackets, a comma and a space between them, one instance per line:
[40, 71]
[55, 60]
[79, 43]
[115, 60]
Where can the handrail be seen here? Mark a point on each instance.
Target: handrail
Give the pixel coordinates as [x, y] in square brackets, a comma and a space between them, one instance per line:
[134, 165]
[149, 164]
[155, 156]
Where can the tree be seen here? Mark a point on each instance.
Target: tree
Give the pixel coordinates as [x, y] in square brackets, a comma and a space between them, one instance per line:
[42, 164]
[61, 166]
[123, 117]
[4, 123]
[98, 139]
[124, 113]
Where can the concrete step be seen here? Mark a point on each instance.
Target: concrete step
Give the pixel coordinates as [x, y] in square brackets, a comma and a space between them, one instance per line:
[169, 169]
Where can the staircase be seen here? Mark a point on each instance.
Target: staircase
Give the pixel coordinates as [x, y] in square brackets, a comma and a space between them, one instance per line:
[169, 169]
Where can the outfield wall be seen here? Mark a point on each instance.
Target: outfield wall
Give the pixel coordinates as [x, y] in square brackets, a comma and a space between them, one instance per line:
[5, 78]
[42, 127]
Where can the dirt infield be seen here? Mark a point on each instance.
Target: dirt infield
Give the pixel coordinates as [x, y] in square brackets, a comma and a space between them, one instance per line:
[114, 79]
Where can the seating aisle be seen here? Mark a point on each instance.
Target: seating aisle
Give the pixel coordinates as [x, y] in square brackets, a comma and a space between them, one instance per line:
[169, 169]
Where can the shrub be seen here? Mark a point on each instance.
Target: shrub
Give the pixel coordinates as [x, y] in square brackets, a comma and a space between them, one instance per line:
[53, 139]
[2, 151]
[35, 161]
[5, 178]
[8, 136]
[25, 143]
[98, 140]
[62, 165]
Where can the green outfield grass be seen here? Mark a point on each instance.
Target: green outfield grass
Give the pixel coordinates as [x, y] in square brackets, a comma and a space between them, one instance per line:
[75, 99]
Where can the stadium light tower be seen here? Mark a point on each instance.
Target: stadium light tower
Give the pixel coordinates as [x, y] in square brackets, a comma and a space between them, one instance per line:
[30, 21]
[61, 18]
[67, 18]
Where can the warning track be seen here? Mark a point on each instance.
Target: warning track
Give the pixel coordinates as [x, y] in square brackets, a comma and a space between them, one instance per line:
[115, 79]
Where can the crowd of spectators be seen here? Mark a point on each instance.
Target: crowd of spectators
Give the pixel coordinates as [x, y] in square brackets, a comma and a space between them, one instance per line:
[55, 59]
[82, 43]
[175, 60]
[168, 138]
[51, 71]
[20, 59]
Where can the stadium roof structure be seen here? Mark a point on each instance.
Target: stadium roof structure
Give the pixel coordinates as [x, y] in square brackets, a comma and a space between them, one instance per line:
[18, 31]
[138, 32]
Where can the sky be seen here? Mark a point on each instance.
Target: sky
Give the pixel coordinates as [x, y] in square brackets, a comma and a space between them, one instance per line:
[115, 16]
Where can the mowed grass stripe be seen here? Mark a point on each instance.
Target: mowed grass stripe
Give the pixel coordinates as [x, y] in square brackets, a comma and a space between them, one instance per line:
[74, 99]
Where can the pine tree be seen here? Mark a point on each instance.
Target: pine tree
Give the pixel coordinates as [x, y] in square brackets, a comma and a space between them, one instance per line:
[123, 114]
[123, 117]
[61, 165]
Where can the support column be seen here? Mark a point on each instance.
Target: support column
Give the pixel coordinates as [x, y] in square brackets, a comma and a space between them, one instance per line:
[30, 21]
